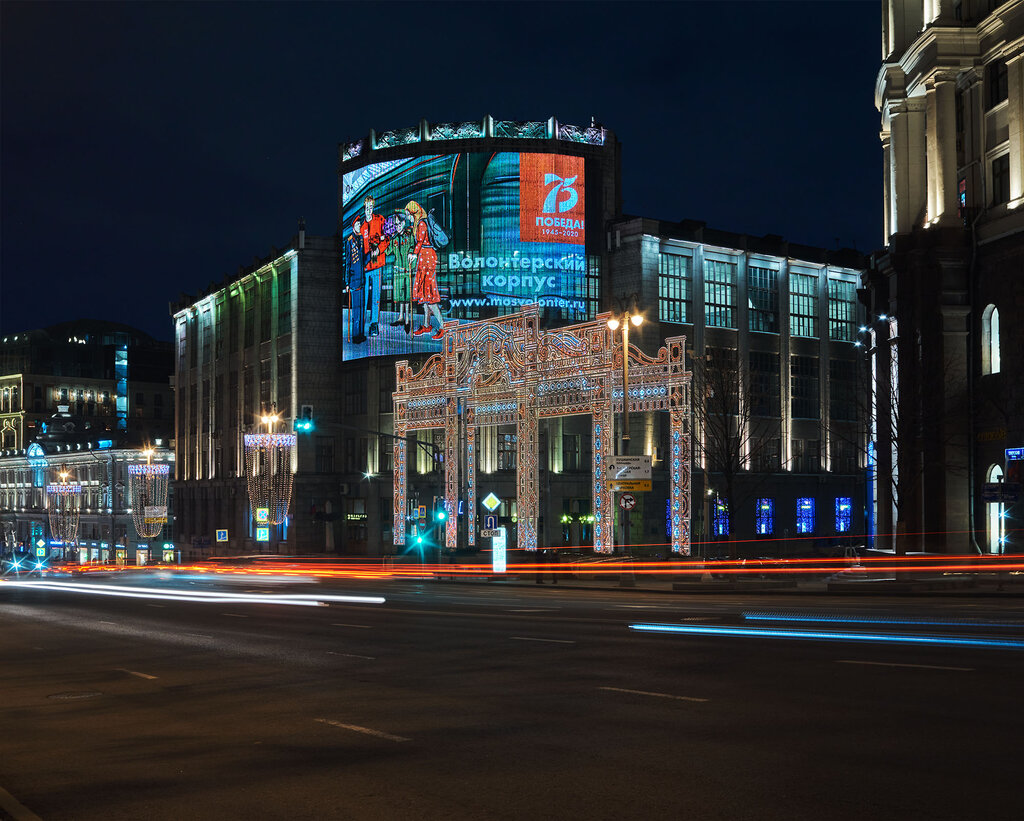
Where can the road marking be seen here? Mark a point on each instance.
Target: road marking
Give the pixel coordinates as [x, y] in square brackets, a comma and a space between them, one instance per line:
[531, 610]
[891, 664]
[553, 641]
[656, 695]
[360, 626]
[108, 622]
[351, 655]
[14, 808]
[140, 675]
[366, 730]
[156, 605]
[235, 615]
[199, 635]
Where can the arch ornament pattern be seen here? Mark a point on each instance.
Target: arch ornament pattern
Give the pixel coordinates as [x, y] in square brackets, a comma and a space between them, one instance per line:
[507, 371]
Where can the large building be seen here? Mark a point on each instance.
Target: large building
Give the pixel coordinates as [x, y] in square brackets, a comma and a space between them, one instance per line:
[467, 221]
[946, 295]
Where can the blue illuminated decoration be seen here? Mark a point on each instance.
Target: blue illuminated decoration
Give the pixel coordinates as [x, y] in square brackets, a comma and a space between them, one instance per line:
[821, 635]
[805, 515]
[844, 511]
[121, 386]
[721, 516]
[105, 444]
[764, 517]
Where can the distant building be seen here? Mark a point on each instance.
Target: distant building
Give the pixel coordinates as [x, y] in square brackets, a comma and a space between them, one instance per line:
[946, 296]
[518, 213]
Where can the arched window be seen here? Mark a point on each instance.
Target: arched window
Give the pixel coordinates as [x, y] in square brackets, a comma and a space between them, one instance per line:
[990, 340]
[995, 521]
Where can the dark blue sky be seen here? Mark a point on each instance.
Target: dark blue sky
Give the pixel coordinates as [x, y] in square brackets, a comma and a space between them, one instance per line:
[151, 148]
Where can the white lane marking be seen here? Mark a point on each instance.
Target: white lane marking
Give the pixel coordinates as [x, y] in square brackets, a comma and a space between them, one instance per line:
[531, 610]
[351, 655]
[892, 664]
[199, 635]
[108, 622]
[553, 641]
[360, 626]
[365, 730]
[656, 695]
[699, 618]
[235, 615]
[140, 675]
[642, 606]
[162, 606]
[14, 808]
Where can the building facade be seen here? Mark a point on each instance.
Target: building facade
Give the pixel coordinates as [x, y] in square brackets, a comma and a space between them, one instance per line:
[519, 213]
[945, 296]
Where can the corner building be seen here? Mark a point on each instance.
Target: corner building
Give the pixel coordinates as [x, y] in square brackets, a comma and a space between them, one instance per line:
[946, 294]
[458, 222]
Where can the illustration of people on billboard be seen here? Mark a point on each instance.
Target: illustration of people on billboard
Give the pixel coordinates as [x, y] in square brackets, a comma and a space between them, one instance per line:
[355, 281]
[402, 270]
[375, 249]
[423, 259]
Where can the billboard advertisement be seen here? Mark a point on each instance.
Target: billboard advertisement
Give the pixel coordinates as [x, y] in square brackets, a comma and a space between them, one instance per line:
[431, 239]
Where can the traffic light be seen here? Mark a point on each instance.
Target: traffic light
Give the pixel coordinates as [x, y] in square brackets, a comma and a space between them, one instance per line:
[440, 515]
[304, 422]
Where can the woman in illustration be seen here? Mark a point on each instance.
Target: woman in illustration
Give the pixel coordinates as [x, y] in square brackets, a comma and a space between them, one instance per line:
[401, 271]
[423, 261]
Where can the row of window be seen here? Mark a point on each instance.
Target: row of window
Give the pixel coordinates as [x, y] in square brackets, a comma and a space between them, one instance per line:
[675, 298]
[764, 516]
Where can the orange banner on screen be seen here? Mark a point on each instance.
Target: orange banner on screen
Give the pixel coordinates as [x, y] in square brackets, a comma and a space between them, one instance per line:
[551, 199]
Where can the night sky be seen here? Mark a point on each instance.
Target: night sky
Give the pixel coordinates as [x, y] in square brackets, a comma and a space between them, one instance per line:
[149, 149]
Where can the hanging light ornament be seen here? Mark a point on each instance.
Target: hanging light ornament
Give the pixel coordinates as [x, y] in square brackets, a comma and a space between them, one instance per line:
[268, 470]
[148, 488]
[64, 505]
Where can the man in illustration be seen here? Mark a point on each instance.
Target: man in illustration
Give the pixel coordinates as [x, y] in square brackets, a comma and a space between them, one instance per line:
[354, 276]
[401, 270]
[375, 249]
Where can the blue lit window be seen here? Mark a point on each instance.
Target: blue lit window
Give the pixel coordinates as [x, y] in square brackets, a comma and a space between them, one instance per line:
[764, 517]
[844, 506]
[721, 517]
[805, 515]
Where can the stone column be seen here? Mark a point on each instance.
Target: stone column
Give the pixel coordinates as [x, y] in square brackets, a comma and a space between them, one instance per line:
[907, 174]
[1015, 89]
[956, 428]
[942, 160]
[887, 215]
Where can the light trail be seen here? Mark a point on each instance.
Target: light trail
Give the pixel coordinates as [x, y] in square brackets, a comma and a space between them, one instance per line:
[206, 597]
[819, 635]
[853, 619]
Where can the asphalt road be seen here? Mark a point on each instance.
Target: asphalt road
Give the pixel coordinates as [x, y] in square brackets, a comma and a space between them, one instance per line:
[475, 702]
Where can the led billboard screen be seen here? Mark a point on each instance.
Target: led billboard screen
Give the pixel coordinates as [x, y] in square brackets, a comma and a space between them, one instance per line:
[466, 236]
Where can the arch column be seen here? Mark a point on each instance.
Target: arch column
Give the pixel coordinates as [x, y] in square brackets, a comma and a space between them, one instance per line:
[398, 484]
[527, 469]
[604, 519]
[471, 475]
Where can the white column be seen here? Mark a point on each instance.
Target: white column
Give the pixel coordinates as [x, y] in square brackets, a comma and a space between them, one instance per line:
[1015, 89]
[907, 172]
[941, 125]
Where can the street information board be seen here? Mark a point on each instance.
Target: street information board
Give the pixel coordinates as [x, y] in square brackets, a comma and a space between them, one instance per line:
[629, 468]
[1000, 493]
[154, 514]
[632, 485]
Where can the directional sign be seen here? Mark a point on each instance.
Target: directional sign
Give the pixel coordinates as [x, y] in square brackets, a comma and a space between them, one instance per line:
[490, 521]
[154, 514]
[627, 501]
[1000, 493]
[629, 468]
[633, 485]
[222, 535]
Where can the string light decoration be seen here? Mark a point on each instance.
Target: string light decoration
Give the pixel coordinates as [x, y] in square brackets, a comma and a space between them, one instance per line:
[268, 470]
[64, 506]
[148, 488]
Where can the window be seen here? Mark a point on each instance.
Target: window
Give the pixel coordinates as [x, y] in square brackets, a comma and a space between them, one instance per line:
[764, 517]
[719, 293]
[842, 390]
[990, 362]
[844, 513]
[506, 451]
[1001, 179]
[995, 516]
[233, 312]
[996, 80]
[265, 384]
[355, 400]
[803, 307]
[764, 384]
[805, 455]
[766, 454]
[385, 455]
[843, 455]
[805, 515]
[570, 452]
[266, 308]
[675, 285]
[842, 309]
[284, 301]
[284, 382]
[720, 516]
[325, 454]
[763, 299]
[250, 317]
[387, 389]
[804, 387]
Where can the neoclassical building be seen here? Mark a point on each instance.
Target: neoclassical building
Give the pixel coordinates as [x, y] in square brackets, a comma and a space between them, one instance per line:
[946, 294]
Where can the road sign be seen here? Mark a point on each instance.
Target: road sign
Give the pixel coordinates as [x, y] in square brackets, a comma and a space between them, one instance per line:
[421, 512]
[491, 502]
[154, 514]
[629, 468]
[490, 532]
[222, 535]
[1000, 493]
[633, 485]
[627, 501]
[1014, 453]
[262, 534]
[263, 514]
[490, 521]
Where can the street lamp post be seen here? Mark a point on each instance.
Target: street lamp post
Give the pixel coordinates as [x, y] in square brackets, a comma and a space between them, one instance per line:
[628, 317]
